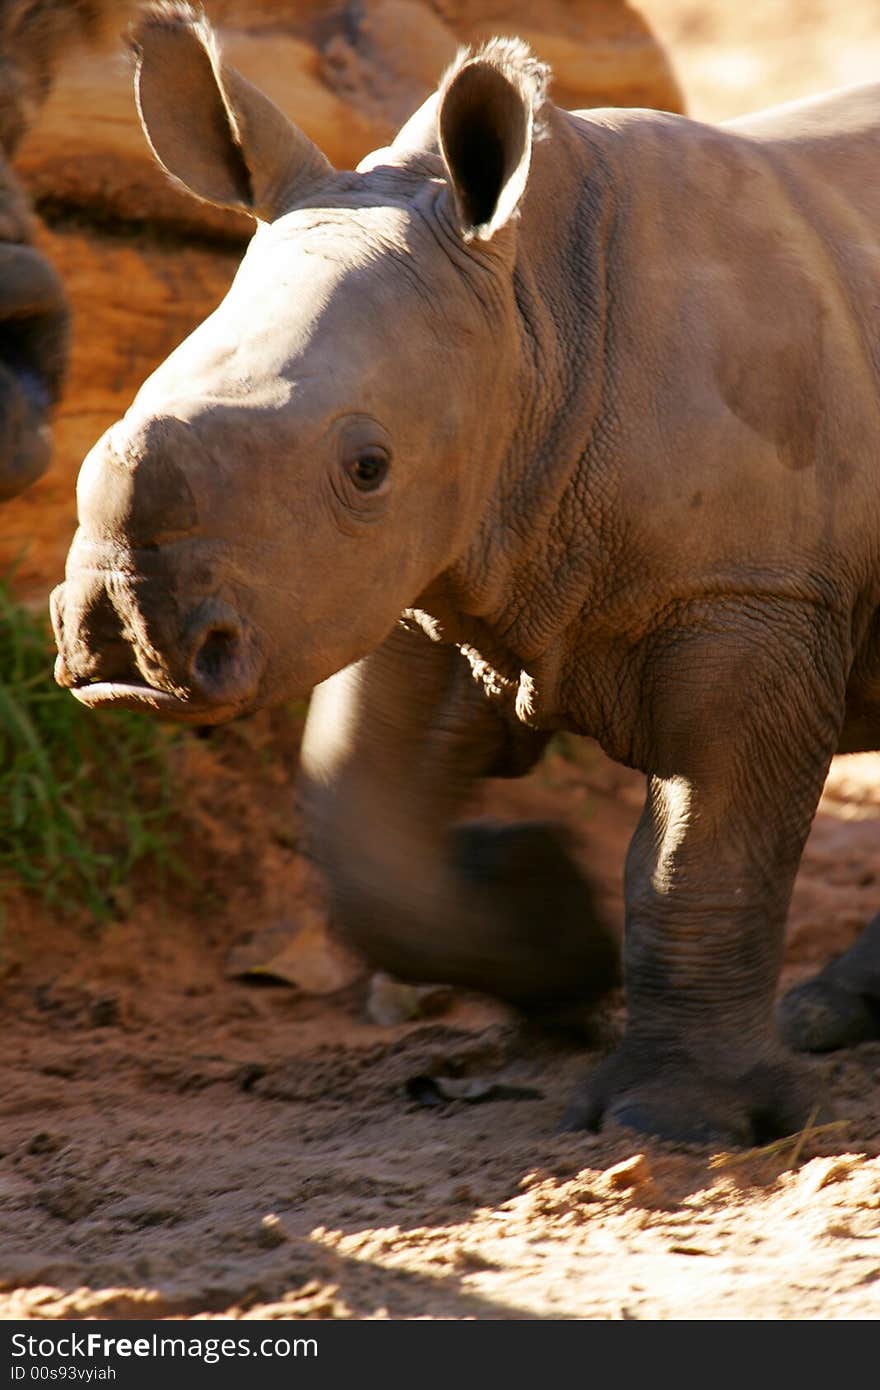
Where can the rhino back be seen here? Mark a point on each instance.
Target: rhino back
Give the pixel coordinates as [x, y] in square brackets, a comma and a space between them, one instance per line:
[742, 345]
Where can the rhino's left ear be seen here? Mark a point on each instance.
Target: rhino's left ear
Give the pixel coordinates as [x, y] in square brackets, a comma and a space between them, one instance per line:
[210, 128]
[485, 123]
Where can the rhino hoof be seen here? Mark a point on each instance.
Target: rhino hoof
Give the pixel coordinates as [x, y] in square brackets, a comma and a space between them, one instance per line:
[839, 1006]
[679, 1100]
[820, 1016]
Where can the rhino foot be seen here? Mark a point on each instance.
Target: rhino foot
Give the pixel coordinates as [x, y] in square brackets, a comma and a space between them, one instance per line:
[841, 1005]
[671, 1096]
[821, 1016]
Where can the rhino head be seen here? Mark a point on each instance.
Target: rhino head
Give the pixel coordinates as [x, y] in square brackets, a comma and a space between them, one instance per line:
[319, 453]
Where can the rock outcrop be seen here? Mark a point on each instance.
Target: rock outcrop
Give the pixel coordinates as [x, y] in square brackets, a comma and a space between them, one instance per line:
[349, 76]
[143, 263]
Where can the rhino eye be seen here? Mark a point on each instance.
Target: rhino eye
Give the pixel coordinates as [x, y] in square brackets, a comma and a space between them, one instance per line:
[369, 469]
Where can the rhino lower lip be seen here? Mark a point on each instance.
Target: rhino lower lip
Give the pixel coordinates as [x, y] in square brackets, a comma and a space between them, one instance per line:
[147, 699]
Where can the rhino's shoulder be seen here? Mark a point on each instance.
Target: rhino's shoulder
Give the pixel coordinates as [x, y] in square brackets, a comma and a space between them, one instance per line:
[830, 145]
[849, 116]
[636, 140]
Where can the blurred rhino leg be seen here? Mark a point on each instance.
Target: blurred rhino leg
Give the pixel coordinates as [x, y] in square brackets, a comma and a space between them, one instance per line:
[839, 1006]
[392, 750]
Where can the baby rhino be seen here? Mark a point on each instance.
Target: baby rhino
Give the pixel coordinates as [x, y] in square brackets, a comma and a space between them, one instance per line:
[536, 421]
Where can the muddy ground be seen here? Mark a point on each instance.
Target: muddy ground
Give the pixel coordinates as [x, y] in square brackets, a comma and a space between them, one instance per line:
[175, 1140]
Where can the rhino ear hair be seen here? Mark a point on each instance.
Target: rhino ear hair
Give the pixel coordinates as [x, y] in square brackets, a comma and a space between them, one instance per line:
[209, 128]
[486, 121]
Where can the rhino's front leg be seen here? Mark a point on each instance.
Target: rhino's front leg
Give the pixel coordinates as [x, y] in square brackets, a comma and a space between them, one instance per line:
[392, 749]
[741, 738]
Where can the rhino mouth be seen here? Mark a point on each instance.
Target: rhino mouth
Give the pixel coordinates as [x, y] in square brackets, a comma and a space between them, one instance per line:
[147, 699]
[211, 670]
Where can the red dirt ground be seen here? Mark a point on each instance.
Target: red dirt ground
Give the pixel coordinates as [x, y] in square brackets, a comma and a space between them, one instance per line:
[176, 1142]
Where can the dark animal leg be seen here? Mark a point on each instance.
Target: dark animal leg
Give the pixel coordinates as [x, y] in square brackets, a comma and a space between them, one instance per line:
[840, 1005]
[392, 750]
[741, 736]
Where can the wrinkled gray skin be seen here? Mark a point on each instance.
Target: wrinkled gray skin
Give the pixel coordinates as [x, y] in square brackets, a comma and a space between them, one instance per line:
[623, 368]
[34, 323]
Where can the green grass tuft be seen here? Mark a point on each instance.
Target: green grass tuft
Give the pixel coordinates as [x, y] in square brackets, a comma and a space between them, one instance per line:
[84, 797]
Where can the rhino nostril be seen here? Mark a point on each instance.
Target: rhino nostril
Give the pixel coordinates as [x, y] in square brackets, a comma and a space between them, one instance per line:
[223, 664]
[216, 654]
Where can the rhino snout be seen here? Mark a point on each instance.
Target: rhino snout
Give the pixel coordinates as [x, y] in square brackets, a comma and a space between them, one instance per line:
[88, 635]
[136, 485]
[206, 667]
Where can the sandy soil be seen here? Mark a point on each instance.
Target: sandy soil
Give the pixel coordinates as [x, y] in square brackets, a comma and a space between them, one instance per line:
[177, 1142]
[734, 58]
[174, 1141]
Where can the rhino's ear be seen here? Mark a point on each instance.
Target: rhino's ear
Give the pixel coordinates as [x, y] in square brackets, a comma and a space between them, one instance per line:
[485, 124]
[209, 128]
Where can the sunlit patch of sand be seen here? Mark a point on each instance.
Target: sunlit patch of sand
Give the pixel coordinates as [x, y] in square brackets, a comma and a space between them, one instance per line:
[852, 791]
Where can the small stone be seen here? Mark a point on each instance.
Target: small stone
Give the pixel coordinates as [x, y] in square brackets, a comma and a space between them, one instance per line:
[632, 1172]
[249, 1074]
[391, 1001]
[68, 1200]
[470, 1260]
[271, 1233]
[531, 1179]
[44, 1143]
[104, 1011]
[298, 950]
[824, 1172]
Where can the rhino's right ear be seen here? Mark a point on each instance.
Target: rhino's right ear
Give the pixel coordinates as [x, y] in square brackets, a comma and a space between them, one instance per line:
[209, 128]
[485, 124]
